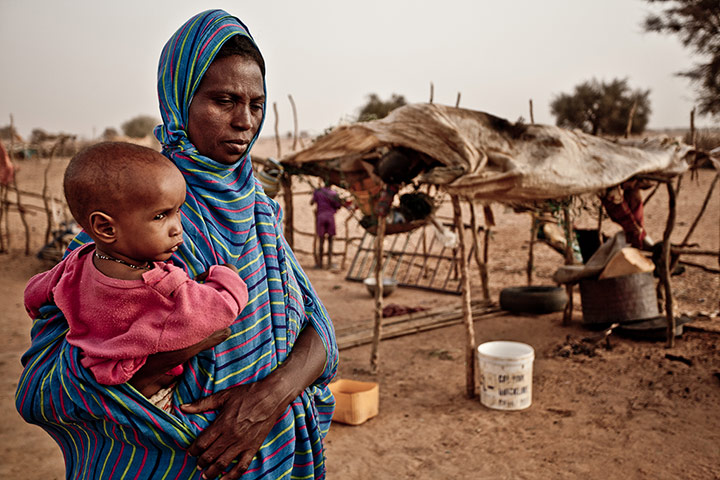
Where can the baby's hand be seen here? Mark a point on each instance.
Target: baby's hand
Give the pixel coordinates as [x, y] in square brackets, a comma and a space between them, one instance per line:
[203, 276]
[231, 267]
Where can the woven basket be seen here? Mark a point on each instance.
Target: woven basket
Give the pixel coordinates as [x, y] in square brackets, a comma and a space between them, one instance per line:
[629, 298]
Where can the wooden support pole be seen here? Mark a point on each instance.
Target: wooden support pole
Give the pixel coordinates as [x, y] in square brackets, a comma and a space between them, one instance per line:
[532, 116]
[628, 127]
[432, 92]
[665, 266]
[466, 302]
[4, 208]
[286, 182]
[317, 258]
[277, 131]
[489, 217]
[693, 138]
[424, 250]
[476, 249]
[531, 249]
[377, 330]
[486, 246]
[457, 100]
[679, 184]
[295, 122]
[650, 195]
[489, 223]
[569, 260]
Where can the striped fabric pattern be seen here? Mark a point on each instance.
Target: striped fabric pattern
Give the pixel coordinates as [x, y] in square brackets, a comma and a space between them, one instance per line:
[114, 432]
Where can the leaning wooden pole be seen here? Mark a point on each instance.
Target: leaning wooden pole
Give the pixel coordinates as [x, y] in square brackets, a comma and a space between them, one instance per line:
[665, 264]
[708, 196]
[377, 329]
[295, 122]
[489, 223]
[533, 225]
[476, 250]
[277, 131]
[466, 300]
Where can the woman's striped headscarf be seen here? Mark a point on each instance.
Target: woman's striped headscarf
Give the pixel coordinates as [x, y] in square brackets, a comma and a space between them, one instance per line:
[108, 431]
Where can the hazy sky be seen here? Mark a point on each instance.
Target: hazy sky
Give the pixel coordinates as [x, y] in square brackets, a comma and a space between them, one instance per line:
[82, 66]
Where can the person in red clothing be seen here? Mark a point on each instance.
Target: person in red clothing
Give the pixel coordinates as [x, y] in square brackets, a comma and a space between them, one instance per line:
[624, 206]
[328, 203]
[123, 302]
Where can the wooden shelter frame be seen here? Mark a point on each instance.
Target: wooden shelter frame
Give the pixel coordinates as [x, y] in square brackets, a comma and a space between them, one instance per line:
[462, 257]
[414, 261]
[664, 264]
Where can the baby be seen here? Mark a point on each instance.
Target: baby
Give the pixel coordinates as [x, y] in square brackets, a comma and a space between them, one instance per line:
[122, 302]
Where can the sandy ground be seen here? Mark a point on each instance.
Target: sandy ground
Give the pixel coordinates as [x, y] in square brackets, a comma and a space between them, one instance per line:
[628, 412]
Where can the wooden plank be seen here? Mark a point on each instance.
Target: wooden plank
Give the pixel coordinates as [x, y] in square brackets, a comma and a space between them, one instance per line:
[364, 335]
[433, 312]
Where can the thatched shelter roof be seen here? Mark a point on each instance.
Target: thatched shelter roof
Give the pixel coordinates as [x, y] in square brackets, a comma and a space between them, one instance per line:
[480, 156]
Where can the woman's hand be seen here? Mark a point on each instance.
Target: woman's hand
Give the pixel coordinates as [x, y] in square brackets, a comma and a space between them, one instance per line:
[248, 412]
[153, 376]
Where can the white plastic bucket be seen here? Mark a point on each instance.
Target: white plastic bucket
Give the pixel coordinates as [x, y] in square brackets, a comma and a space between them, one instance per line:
[506, 375]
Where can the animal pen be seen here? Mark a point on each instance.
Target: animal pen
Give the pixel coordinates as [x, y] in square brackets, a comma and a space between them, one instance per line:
[480, 159]
[15, 199]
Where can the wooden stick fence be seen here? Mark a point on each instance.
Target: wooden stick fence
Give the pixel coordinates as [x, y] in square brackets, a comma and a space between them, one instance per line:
[411, 323]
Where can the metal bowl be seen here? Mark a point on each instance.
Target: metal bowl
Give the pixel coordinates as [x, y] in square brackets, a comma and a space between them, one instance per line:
[389, 286]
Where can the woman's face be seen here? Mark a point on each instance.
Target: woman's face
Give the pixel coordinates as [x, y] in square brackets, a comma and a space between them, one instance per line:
[227, 109]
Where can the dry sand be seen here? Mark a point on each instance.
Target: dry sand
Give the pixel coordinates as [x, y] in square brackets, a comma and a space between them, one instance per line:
[629, 412]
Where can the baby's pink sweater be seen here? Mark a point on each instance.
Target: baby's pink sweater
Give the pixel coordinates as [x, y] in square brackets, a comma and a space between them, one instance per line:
[118, 323]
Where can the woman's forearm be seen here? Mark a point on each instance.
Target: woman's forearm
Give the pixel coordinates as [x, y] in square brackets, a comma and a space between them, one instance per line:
[302, 367]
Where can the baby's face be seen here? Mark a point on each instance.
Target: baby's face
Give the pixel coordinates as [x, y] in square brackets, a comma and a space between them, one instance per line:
[149, 229]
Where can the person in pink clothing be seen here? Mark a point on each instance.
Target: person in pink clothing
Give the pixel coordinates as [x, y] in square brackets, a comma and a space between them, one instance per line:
[123, 302]
[328, 203]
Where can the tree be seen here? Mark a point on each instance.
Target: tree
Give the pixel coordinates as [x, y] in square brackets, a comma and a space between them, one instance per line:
[9, 132]
[110, 133]
[697, 23]
[599, 107]
[38, 135]
[375, 108]
[140, 126]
